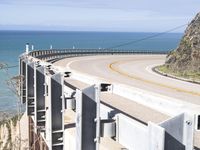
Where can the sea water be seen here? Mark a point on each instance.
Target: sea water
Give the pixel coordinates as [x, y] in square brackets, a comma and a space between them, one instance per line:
[12, 44]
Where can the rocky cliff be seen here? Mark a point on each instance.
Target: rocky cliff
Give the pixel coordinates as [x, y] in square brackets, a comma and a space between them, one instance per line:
[8, 133]
[185, 60]
[13, 134]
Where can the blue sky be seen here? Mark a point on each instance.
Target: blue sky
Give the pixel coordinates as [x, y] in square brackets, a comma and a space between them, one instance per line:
[97, 15]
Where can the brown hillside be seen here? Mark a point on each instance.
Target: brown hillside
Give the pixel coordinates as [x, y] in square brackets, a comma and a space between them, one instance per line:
[186, 58]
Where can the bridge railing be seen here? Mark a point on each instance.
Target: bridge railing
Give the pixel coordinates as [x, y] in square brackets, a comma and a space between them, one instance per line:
[61, 53]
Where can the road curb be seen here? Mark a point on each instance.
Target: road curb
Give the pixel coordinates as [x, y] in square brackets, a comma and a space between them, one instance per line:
[174, 77]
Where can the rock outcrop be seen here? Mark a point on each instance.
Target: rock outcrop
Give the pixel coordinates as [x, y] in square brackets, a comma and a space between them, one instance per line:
[8, 133]
[186, 58]
[13, 134]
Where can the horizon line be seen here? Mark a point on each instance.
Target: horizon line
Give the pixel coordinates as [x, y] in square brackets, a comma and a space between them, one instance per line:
[38, 30]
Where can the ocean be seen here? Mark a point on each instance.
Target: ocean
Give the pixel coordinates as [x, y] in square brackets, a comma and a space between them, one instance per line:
[12, 44]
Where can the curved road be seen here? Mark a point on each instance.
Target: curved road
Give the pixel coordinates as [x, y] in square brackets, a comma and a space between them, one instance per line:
[134, 70]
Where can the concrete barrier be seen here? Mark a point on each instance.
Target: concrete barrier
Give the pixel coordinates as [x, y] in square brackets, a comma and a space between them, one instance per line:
[87, 119]
[179, 132]
[131, 134]
[164, 104]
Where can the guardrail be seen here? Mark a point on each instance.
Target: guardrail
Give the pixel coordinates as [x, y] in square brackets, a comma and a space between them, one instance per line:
[61, 53]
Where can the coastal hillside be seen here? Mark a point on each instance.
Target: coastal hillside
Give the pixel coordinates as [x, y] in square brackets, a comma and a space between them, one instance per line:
[185, 60]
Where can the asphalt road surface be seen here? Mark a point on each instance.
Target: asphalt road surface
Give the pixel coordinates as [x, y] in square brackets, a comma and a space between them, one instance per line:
[134, 70]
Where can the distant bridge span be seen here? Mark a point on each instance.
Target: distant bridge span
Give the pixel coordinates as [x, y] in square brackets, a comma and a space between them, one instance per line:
[60, 53]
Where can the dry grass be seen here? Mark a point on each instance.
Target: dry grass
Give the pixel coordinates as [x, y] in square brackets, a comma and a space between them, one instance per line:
[191, 75]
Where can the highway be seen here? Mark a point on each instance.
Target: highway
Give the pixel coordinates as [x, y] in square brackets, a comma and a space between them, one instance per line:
[134, 70]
